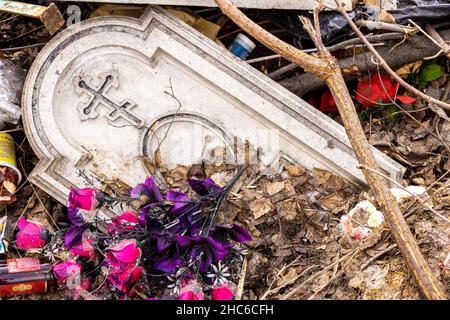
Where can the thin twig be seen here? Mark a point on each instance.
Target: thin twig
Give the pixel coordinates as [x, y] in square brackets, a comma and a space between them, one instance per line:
[375, 257]
[39, 198]
[329, 267]
[240, 286]
[271, 57]
[285, 267]
[23, 210]
[24, 47]
[334, 276]
[320, 46]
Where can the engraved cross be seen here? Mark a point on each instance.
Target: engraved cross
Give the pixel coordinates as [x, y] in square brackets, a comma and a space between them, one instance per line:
[117, 110]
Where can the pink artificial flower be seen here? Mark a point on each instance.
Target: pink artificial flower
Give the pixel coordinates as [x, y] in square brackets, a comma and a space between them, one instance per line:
[123, 279]
[84, 249]
[126, 221]
[84, 198]
[29, 235]
[65, 270]
[222, 292]
[125, 251]
[191, 290]
[121, 261]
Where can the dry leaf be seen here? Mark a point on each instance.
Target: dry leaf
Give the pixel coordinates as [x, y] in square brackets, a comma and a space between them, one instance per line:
[335, 202]
[294, 171]
[260, 207]
[274, 187]
[321, 176]
[381, 139]
[289, 276]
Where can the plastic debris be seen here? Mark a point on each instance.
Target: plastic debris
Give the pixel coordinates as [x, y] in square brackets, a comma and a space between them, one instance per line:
[360, 221]
[192, 256]
[242, 46]
[401, 194]
[10, 176]
[11, 83]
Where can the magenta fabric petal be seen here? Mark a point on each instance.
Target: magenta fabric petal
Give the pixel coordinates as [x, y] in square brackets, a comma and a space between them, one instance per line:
[28, 236]
[188, 295]
[124, 222]
[128, 218]
[84, 249]
[84, 198]
[191, 291]
[222, 293]
[65, 270]
[22, 223]
[126, 251]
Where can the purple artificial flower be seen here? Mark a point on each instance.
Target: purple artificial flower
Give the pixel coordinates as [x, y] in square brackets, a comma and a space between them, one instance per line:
[76, 216]
[223, 233]
[147, 191]
[180, 200]
[163, 242]
[205, 187]
[206, 249]
[74, 235]
[169, 262]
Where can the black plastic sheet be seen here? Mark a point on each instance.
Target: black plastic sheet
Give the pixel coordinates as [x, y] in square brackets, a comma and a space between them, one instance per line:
[421, 11]
[333, 23]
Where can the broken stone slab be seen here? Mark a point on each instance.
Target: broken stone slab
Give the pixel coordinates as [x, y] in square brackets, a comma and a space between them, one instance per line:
[104, 95]
[260, 4]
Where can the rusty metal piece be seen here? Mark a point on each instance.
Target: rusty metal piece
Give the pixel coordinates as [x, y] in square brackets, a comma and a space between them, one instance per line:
[50, 16]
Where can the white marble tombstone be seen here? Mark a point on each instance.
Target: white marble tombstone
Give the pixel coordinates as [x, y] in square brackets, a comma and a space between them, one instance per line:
[104, 93]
